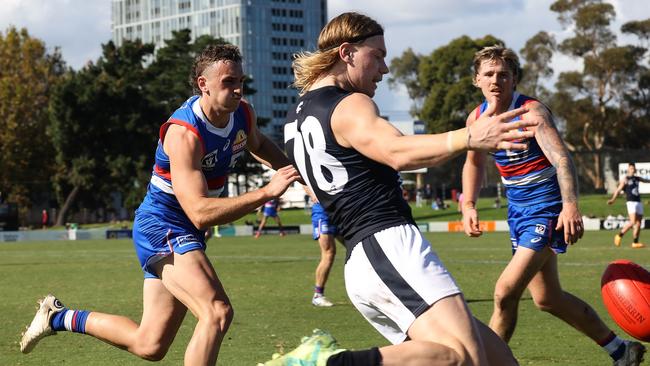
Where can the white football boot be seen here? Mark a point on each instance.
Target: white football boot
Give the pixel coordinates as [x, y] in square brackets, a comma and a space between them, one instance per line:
[40, 326]
[321, 301]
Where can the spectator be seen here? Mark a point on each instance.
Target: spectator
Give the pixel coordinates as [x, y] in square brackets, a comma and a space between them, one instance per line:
[45, 218]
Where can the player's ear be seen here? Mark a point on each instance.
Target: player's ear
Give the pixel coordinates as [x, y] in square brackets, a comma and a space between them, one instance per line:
[202, 83]
[345, 51]
[474, 81]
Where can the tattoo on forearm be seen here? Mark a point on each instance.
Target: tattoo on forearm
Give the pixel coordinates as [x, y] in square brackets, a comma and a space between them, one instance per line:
[556, 152]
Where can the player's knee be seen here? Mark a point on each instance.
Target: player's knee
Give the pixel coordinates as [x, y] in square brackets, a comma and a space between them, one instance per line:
[545, 304]
[505, 298]
[218, 315]
[150, 351]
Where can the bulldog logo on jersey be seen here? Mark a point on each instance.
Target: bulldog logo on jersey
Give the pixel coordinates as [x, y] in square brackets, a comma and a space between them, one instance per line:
[240, 142]
[540, 229]
[210, 160]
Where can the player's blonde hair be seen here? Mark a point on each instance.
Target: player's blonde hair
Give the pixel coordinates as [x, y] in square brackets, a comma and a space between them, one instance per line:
[498, 52]
[350, 27]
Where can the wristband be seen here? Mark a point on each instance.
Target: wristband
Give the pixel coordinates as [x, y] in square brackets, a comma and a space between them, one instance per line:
[458, 140]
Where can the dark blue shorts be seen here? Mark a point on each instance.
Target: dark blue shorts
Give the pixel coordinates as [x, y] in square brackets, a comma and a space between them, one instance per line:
[534, 227]
[154, 239]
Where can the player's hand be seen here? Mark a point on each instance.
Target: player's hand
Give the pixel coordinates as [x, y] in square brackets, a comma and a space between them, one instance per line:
[281, 180]
[610, 201]
[571, 221]
[496, 132]
[470, 222]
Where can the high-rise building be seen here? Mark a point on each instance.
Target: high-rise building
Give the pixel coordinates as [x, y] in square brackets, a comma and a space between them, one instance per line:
[268, 32]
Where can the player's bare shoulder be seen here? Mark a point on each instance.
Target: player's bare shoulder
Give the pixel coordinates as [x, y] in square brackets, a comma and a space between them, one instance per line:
[355, 103]
[472, 117]
[354, 114]
[540, 112]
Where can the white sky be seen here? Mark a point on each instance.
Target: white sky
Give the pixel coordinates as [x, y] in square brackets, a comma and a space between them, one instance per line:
[79, 27]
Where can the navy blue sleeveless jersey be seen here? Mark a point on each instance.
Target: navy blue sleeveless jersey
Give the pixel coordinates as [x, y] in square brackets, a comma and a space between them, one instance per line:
[632, 189]
[360, 195]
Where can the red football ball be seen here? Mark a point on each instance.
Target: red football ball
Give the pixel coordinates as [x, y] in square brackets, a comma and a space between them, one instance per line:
[625, 287]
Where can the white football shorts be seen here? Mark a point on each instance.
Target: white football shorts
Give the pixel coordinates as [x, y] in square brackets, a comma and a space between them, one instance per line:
[394, 276]
[634, 207]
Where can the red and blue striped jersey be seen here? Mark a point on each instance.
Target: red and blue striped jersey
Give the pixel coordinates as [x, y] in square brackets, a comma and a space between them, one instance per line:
[221, 149]
[527, 174]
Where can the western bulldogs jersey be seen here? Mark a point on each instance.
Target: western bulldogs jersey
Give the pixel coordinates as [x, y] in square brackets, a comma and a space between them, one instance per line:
[632, 189]
[527, 174]
[221, 149]
[361, 195]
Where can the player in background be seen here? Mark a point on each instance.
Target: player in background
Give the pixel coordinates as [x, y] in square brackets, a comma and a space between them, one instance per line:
[630, 185]
[350, 158]
[325, 232]
[543, 212]
[270, 209]
[199, 143]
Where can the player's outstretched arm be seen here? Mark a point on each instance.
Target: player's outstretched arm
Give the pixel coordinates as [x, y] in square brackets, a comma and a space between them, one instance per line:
[357, 124]
[556, 152]
[191, 190]
[263, 149]
[473, 171]
[618, 189]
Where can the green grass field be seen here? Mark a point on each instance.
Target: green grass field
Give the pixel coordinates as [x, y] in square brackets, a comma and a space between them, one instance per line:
[594, 205]
[269, 281]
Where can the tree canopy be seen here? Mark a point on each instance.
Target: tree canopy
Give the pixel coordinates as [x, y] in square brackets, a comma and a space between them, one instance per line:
[602, 106]
[28, 74]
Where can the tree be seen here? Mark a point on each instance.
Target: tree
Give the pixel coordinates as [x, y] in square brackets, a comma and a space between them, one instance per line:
[103, 128]
[404, 71]
[593, 102]
[447, 75]
[537, 54]
[27, 75]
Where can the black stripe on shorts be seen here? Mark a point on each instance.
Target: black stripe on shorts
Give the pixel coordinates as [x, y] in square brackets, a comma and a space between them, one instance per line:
[392, 278]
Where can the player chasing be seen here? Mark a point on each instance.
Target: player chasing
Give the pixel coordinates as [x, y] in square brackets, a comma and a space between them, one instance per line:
[325, 232]
[200, 143]
[543, 212]
[630, 185]
[392, 275]
[270, 209]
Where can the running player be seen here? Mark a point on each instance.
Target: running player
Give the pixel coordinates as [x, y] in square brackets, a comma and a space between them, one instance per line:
[542, 209]
[325, 232]
[199, 143]
[630, 184]
[270, 209]
[350, 158]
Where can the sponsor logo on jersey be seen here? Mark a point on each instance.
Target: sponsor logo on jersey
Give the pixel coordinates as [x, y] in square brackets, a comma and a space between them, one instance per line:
[184, 240]
[540, 229]
[299, 107]
[536, 240]
[210, 160]
[226, 145]
[240, 142]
